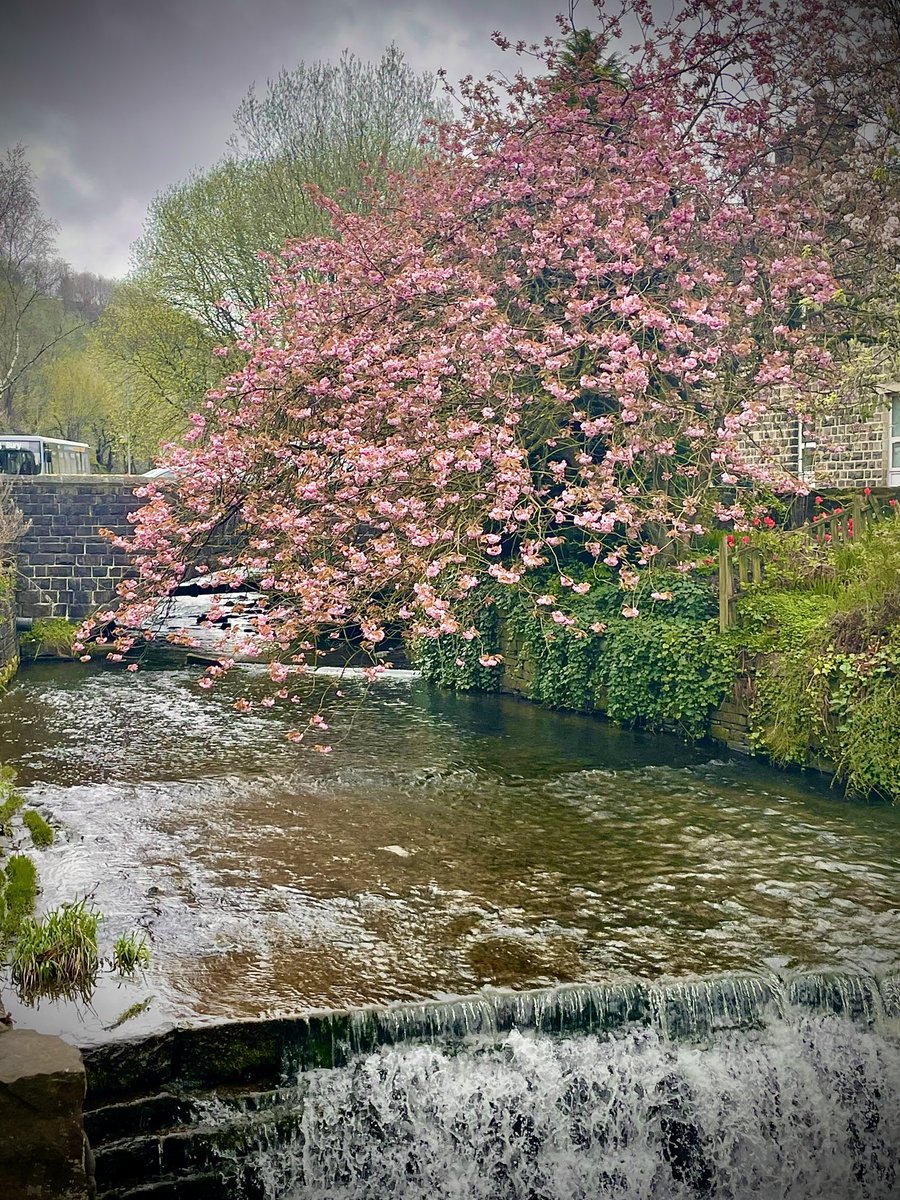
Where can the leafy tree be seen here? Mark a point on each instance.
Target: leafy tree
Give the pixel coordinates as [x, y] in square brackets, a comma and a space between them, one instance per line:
[547, 343]
[322, 126]
[161, 359]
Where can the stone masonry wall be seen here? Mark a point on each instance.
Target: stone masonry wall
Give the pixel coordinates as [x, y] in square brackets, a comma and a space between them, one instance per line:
[65, 567]
[9, 642]
[851, 451]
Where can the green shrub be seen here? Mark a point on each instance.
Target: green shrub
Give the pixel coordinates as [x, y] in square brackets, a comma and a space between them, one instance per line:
[665, 673]
[52, 635]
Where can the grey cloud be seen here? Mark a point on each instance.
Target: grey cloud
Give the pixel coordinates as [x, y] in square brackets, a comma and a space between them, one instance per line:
[118, 99]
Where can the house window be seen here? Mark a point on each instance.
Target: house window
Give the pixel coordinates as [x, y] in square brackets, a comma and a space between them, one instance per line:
[894, 442]
[806, 451]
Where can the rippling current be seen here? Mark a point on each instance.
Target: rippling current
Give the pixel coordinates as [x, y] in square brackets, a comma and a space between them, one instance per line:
[449, 843]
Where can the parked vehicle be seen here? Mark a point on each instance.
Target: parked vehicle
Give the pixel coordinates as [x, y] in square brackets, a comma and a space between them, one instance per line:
[33, 454]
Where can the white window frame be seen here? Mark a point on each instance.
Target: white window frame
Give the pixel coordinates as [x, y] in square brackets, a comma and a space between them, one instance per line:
[804, 473]
[892, 473]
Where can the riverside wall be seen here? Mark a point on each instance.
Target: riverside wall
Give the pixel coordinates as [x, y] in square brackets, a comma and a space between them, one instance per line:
[9, 642]
[66, 567]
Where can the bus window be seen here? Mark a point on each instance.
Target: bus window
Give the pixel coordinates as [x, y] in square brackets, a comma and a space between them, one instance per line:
[19, 459]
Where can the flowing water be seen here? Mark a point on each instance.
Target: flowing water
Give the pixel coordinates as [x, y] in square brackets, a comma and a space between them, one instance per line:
[469, 844]
[450, 843]
[802, 1110]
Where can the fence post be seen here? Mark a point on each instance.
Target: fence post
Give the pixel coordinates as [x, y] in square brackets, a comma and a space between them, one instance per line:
[725, 585]
[857, 517]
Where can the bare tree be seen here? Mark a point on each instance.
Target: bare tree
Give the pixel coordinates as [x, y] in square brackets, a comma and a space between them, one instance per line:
[29, 274]
[12, 522]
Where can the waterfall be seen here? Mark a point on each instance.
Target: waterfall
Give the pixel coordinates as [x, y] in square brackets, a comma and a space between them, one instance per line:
[726, 1088]
[808, 1110]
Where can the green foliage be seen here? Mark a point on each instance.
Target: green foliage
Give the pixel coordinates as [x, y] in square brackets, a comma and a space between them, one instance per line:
[452, 661]
[828, 683]
[659, 673]
[20, 895]
[57, 952]
[41, 832]
[666, 668]
[50, 635]
[10, 800]
[773, 620]
[130, 951]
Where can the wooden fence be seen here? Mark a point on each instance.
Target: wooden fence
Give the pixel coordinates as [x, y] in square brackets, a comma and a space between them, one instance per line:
[741, 565]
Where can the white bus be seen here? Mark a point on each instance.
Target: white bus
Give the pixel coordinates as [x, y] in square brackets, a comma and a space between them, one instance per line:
[27, 454]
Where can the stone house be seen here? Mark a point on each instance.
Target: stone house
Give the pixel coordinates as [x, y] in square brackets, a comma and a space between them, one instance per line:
[856, 448]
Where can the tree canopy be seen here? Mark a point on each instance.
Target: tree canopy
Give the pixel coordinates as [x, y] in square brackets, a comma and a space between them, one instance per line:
[547, 341]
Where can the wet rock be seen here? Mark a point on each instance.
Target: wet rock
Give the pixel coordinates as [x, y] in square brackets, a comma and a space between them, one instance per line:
[42, 1147]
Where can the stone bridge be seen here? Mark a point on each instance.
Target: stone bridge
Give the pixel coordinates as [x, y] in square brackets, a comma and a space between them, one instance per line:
[65, 568]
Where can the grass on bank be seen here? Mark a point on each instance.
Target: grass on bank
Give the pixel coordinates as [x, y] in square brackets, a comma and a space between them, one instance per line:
[55, 954]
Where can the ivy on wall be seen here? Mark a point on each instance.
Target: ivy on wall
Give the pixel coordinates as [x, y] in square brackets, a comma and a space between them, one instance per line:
[664, 669]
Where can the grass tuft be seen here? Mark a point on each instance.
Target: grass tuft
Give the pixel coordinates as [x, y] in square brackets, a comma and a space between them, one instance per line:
[58, 952]
[41, 832]
[130, 951]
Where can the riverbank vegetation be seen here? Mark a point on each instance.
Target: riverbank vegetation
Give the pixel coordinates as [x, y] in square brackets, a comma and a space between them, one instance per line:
[815, 653]
[55, 953]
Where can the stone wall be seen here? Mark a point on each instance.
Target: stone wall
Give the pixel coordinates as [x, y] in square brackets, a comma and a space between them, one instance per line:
[42, 1145]
[844, 450]
[9, 642]
[66, 568]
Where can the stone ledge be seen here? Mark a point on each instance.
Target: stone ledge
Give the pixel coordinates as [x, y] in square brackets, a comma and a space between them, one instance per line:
[42, 1146]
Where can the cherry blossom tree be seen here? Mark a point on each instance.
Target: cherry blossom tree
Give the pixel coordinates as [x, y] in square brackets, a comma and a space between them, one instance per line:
[550, 343]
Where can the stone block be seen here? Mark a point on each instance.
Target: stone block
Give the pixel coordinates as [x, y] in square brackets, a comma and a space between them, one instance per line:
[42, 1147]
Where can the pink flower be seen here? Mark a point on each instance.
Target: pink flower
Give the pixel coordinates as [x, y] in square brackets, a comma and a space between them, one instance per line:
[490, 660]
[630, 612]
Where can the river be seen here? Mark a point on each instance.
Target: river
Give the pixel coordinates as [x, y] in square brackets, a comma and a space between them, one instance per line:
[449, 843]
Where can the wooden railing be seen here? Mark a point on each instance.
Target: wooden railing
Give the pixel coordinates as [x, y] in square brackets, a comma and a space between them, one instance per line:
[740, 565]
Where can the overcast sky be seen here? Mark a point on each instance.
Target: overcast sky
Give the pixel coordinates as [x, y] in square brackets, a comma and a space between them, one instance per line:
[116, 99]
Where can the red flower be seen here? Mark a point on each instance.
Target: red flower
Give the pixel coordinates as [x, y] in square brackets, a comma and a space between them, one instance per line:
[756, 520]
[768, 522]
[745, 539]
[893, 503]
[730, 540]
[819, 500]
[867, 491]
[838, 510]
[827, 537]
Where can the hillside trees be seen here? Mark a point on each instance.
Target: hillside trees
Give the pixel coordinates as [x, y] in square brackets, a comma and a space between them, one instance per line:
[31, 320]
[546, 344]
[329, 127]
[201, 265]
